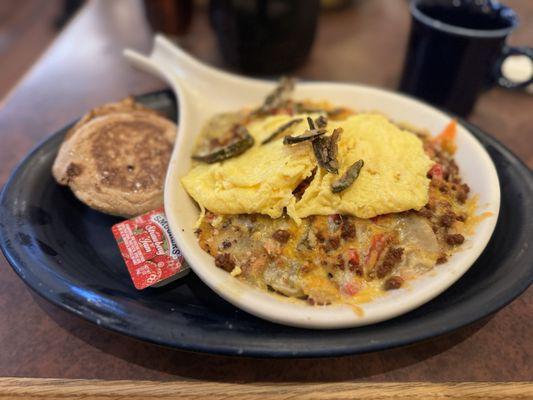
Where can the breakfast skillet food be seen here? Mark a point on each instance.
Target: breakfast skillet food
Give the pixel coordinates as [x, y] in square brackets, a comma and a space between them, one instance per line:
[324, 204]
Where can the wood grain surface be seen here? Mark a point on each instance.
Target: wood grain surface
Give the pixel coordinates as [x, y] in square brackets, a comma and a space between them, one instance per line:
[48, 389]
[26, 29]
[365, 44]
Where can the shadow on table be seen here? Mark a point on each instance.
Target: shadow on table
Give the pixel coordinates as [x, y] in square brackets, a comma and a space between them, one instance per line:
[163, 363]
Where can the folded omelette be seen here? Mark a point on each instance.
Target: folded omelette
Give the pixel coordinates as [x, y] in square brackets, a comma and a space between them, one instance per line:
[262, 179]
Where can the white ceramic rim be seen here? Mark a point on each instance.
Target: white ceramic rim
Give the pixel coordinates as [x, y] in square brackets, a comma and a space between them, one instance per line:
[477, 170]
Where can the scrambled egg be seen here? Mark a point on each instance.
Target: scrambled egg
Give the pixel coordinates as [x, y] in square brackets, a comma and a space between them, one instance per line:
[393, 178]
[262, 179]
[259, 181]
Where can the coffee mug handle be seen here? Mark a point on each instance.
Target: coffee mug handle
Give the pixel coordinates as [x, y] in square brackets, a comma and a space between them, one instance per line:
[507, 52]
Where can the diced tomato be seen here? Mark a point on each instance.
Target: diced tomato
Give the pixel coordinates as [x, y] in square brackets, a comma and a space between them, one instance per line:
[350, 288]
[436, 171]
[353, 257]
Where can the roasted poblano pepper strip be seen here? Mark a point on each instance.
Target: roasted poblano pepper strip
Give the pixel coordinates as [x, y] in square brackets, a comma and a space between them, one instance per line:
[348, 178]
[281, 129]
[321, 122]
[321, 150]
[333, 150]
[308, 135]
[277, 97]
[326, 149]
[237, 147]
[311, 123]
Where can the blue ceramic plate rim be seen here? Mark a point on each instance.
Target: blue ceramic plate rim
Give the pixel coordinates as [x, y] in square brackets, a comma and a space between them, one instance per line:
[464, 314]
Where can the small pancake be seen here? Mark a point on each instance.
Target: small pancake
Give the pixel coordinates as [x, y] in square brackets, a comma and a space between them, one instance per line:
[128, 105]
[116, 162]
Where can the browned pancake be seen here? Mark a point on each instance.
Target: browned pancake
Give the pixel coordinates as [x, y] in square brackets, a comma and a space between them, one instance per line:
[128, 105]
[116, 162]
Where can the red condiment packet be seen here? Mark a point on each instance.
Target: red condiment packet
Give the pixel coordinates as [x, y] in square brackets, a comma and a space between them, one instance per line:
[149, 250]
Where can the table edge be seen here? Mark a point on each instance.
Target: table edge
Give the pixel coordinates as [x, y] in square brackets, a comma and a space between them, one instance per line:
[51, 388]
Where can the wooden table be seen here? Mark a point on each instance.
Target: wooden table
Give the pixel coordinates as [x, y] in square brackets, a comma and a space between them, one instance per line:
[84, 68]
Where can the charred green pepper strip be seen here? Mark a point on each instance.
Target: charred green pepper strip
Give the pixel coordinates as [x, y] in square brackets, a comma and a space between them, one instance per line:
[333, 150]
[233, 149]
[348, 178]
[308, 135]
[320, 148]
[326, 149]
[321, 122]
[277, 97]
[281, 129]
[311, 123]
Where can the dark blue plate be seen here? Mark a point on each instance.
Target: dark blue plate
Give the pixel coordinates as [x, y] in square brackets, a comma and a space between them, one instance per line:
[65, 252]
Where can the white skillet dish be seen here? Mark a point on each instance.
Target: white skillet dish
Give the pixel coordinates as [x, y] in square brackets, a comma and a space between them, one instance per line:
[203, 91]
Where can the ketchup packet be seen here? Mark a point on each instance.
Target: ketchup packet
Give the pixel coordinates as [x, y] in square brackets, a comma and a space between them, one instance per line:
[149, 250]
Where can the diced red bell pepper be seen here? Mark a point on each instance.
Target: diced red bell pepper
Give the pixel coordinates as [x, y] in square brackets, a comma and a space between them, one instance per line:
[353, 257]
[350, 288]
[378, 244]
[436, 171]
